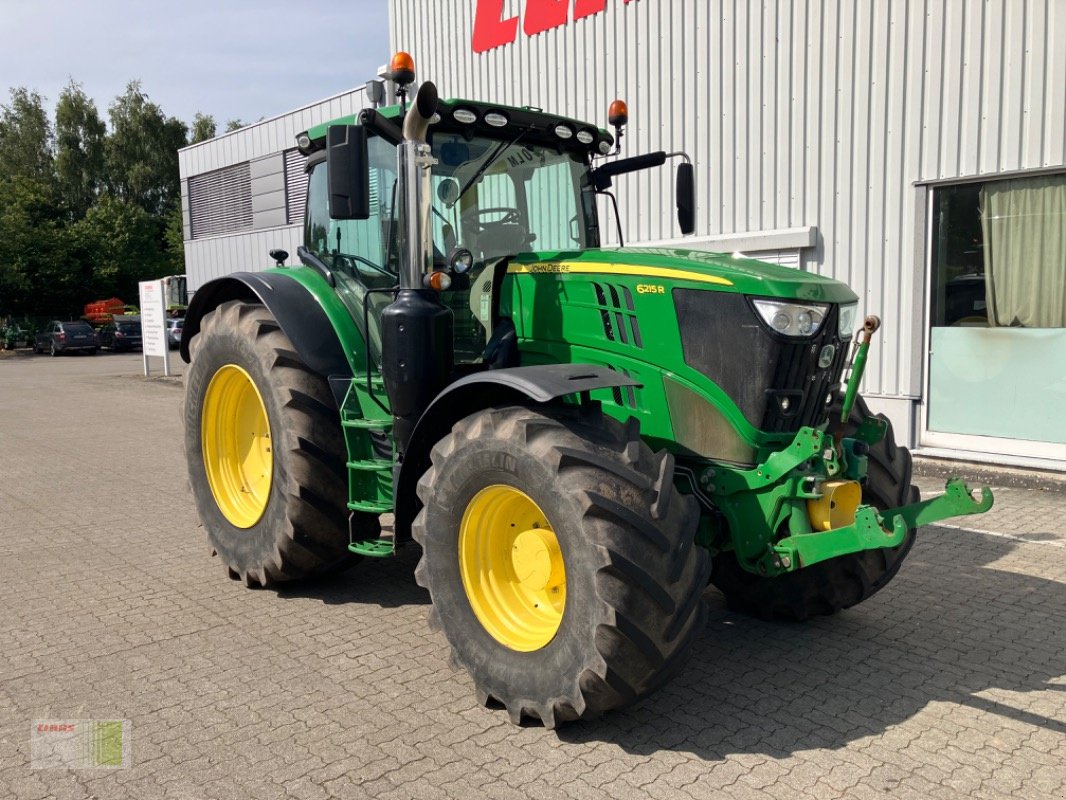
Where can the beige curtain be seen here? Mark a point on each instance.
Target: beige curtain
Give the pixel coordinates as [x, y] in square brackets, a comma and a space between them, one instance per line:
[1024, 227]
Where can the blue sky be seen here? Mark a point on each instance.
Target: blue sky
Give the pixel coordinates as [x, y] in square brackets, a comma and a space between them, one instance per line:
[233, 59]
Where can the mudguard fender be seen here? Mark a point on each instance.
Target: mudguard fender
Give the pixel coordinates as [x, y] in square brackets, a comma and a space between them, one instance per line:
[481, 390]
[295, 308]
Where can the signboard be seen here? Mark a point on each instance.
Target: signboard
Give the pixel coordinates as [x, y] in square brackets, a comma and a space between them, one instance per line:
[493, 29]
[154, 324]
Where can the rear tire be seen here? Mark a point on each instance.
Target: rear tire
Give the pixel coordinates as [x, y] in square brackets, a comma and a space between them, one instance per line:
[303, 527]
[634, 578]
[830, 586]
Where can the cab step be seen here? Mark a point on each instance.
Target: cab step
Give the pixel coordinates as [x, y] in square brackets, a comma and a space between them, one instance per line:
[373, 548]
[370, 506]
[371, 465]
[367, 424]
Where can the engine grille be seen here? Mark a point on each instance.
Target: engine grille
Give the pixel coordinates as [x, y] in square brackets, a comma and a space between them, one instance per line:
[723, 338]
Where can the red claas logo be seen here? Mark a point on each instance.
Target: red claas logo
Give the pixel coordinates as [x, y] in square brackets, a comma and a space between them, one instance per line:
[492, 29]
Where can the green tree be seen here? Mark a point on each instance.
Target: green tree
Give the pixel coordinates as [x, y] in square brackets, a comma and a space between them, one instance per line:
[203, 128]
[142, 152]
[121, 243]
[79, 148]
[174, 240]
[234, 125]
[26, 138]
[40, 272]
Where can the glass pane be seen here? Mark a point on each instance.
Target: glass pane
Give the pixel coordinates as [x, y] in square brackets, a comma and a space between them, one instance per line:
[998, 310]
[553, 208]
[358, 248]
[1006, 382]
[958, 295]
[499, 198]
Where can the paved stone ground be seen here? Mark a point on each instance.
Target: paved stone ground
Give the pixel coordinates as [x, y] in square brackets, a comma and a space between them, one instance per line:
[951, 683]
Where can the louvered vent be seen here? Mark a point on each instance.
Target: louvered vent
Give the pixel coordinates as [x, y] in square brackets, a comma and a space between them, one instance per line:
[295, 186]
[221, 201]
[617, 314]
[624, 395]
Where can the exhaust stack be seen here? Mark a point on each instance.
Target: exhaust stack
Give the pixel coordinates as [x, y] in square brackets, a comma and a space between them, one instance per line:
[416, 328]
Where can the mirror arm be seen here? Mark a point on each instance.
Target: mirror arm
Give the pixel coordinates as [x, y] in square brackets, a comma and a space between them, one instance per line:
[381, 125]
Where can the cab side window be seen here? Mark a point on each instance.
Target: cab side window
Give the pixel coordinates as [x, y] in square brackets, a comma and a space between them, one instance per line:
[359, 248]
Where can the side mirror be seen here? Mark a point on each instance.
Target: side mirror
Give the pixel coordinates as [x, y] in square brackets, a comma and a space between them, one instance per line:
[686, 198]
[349, 172]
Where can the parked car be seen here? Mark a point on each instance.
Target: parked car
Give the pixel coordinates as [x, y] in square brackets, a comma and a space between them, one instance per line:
[124, 333]
[66, 337]
[174, 327]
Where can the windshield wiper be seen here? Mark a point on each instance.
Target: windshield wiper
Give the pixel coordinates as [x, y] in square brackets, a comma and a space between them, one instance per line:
[494, 156]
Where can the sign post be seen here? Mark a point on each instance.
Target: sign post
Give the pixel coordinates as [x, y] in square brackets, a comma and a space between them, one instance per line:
[154, 324]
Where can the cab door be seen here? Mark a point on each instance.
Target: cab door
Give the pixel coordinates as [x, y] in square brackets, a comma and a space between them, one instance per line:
[363, 253]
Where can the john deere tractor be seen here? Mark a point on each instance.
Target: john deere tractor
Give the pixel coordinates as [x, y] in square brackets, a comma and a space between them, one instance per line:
[578, 438]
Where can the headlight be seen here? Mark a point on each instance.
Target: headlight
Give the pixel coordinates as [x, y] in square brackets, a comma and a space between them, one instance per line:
[847, 320]
[791, 319]
[460, 260]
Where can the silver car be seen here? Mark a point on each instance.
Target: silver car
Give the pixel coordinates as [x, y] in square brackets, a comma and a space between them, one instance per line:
[174, 327]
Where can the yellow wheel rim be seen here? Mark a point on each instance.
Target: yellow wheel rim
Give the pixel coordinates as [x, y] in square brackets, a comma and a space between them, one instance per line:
[235, 438]
[512, 568]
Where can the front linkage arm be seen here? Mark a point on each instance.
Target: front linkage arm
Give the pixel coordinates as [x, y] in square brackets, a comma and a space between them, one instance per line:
[761, 502]
[873, 529]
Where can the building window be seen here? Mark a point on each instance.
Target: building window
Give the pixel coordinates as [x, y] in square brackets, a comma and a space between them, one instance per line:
[997, 347]
[221, 201]
[999, 256]
[295, 186]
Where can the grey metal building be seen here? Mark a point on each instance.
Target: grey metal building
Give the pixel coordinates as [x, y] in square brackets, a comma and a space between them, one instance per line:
[243, 193]
[888, 143]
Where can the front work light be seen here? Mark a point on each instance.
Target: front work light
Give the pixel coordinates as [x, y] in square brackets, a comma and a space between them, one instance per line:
[847, 319]
[798, 320]
[460, 260]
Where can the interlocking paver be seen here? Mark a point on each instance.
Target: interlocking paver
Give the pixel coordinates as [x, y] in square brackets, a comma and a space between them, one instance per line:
[951, 683]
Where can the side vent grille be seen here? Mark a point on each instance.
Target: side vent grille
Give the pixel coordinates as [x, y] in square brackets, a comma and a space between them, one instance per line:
[618, 314]
[623, 395]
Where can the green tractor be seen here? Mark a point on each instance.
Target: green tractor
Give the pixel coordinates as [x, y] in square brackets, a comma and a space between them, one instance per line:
[580, 439]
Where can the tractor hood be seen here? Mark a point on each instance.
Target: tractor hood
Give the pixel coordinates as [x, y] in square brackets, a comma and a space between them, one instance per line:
[719, 271]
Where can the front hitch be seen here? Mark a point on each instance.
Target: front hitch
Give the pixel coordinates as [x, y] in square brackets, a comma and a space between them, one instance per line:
[872, 529]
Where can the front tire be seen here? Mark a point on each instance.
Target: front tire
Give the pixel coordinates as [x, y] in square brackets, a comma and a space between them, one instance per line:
[560, 560]
[265, 451]
[838, 583]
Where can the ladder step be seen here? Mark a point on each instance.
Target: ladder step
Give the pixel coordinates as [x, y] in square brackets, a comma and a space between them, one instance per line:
[375, 548]
[368, 424]
[370, 506]
[371, 465]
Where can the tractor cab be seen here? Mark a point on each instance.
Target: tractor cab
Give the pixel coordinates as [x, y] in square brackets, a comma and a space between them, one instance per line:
[494, 192]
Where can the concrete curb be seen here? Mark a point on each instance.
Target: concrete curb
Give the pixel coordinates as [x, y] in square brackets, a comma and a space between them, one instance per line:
[992, 474]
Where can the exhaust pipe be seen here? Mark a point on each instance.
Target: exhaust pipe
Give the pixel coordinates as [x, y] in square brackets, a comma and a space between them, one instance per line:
[416, 123]
[415, 160]
[416, 328]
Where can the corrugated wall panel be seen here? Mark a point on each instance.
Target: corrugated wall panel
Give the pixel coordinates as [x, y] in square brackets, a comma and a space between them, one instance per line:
[216, 255]
[814, 112]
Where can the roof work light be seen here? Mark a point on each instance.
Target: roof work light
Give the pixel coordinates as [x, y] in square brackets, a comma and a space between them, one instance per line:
[402, 68]
[618, 116]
